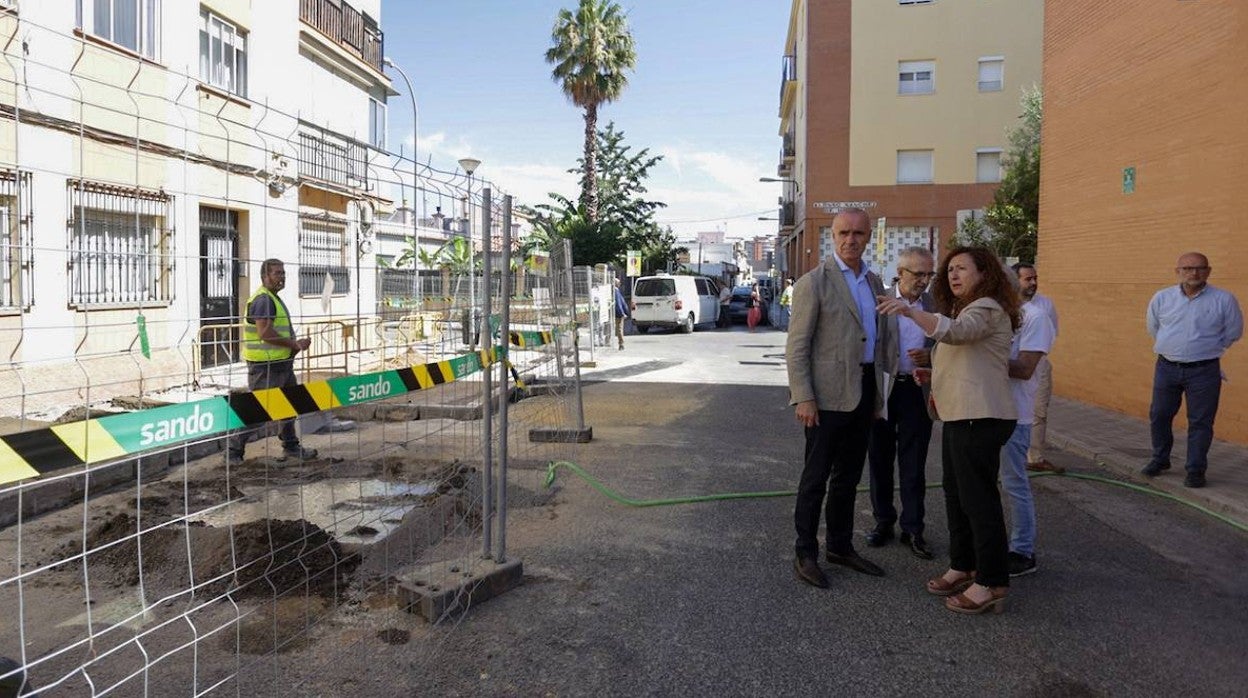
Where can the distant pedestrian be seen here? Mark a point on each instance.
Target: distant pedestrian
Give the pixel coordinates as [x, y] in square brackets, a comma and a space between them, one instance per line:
[903, 433]
[621, 312]
[269, 348]
[753, 308]
[786, 303]
[834, 387]
[725, 305]
[971, 394]
[1032, 343]
[1033, 302]
[1193, 324]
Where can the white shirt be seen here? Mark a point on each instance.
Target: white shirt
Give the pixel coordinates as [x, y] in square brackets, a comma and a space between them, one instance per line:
[1046, 306]
[909, 335]
[1035, 334]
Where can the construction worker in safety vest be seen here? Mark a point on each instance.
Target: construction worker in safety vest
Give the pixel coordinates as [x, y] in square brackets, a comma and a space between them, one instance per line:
[269, 348]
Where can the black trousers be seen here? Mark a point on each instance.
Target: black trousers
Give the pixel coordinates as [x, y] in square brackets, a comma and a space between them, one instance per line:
[836, 451]
[905, 436]
[971, 460]
[271, 374]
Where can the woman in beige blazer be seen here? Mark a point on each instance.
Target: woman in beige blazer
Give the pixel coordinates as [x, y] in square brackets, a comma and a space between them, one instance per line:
[971, 394]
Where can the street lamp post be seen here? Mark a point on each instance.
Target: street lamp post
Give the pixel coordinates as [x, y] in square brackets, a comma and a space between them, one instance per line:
[470, 165]
[415, 168]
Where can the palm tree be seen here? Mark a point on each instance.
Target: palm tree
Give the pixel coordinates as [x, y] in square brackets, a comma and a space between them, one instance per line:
[591, 50]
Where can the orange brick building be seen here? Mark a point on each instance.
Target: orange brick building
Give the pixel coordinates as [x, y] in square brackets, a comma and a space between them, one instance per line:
[1145, 156]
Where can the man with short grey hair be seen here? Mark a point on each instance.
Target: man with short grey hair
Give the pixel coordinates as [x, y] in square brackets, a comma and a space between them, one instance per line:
[904, 431]
[833, 342]
[1192, 324]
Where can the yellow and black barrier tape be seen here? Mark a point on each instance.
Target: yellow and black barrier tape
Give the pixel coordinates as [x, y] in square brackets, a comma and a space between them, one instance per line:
[32, 453]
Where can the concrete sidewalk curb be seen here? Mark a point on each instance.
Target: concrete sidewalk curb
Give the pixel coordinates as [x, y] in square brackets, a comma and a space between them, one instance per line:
[1128, 468]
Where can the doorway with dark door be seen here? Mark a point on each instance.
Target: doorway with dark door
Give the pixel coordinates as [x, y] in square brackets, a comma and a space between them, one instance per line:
[218, 286]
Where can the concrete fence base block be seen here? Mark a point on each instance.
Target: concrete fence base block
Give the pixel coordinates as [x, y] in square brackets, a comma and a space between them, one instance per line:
[446, 590]
[561, 436]
[460, 412]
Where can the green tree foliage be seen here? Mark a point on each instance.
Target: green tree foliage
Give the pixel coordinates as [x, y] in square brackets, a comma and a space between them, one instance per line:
[1011, 222]
[591, 50]
[627, 216]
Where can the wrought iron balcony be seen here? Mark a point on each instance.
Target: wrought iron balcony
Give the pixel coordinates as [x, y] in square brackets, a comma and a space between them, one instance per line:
[786, 215]
[348, 27]
[788, 74]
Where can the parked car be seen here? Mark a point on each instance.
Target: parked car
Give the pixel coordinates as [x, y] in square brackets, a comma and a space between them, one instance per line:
[738, 306]
[674, 302]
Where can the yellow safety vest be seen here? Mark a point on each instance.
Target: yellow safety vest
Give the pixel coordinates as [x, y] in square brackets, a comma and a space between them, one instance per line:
[256, 349]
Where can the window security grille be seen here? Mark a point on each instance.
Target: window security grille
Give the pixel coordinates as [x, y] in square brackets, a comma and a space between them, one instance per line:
[332, 158]
[322, 249]
[16, 244]
[120, 245]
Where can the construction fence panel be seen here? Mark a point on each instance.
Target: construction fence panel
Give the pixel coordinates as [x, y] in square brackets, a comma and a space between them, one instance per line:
[138, 556]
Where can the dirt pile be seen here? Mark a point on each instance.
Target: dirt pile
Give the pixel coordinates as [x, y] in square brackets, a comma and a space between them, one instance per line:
[263, 558]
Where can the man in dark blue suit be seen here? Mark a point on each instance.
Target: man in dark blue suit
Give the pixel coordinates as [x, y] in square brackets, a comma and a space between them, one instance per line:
[905, 429]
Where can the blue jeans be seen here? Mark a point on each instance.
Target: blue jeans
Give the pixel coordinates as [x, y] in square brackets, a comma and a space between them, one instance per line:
[1015, 483]
[784, 317]
[1202, 386]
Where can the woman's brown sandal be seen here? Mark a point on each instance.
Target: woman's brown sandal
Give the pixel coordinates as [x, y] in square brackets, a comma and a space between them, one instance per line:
[937, 586]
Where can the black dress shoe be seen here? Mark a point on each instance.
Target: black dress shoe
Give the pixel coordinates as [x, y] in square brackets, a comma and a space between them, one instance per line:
[855, 562]
[1154, 469]
[918, 546]
[1194, 480]
[879, 536]
[808, 571]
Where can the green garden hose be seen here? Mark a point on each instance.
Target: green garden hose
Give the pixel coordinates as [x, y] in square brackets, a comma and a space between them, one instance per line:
[553, 467]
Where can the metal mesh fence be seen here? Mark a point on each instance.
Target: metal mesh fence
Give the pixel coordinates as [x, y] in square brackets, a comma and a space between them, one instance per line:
[138, 556]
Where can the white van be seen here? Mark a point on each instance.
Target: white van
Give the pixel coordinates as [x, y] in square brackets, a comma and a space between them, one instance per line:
[674, 301]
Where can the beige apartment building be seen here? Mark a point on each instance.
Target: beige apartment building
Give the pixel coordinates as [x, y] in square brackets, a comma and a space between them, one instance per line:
[901, 107]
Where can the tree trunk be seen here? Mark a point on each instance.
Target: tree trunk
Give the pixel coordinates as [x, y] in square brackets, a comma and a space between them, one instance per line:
[589, 181]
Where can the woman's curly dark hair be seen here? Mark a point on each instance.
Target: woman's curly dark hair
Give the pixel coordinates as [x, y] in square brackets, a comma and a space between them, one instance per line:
[995, 285]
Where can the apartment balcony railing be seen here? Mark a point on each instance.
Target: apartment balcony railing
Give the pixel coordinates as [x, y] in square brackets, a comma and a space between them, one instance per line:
[789, 149]
[788, 73]
[348, 27]
[786, 215]
[333, 158]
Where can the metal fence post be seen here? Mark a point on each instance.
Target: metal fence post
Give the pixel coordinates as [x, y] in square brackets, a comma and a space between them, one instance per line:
[505, 400]
[487, 412]
[576, 349]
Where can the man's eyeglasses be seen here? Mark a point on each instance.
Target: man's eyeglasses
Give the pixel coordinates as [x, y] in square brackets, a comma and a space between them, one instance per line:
[920, 274]
[1198, 269]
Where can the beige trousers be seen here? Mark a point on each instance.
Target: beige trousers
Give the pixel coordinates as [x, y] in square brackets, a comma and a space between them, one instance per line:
[1044, 370]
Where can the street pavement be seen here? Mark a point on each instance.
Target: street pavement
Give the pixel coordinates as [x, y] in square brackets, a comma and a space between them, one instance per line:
[1135, 595]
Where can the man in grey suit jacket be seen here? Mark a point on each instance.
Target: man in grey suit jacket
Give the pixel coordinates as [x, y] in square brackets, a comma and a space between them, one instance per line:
[905, 429]
[833, 343]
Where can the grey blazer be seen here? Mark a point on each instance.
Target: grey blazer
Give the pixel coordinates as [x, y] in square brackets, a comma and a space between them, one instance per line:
[824, 347]
[891, 356]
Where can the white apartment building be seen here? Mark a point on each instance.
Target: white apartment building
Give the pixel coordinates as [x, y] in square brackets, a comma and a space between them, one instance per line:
[152, 153]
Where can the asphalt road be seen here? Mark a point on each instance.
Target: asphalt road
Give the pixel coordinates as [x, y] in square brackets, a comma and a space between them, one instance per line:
[1135, 595]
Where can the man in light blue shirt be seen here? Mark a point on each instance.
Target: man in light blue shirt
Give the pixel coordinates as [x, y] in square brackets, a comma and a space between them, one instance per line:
[1192, 324]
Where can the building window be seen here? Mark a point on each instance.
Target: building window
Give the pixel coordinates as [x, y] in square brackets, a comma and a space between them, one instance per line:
[322, 250]
[16, 246]
[991, 74]
[222, 54]
[916, 77]
[988, 165]
[120, 245]
[131, 24]
[376, 124]
[914, 166]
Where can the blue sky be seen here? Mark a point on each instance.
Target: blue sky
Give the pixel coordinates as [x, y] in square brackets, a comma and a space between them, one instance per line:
[704, 95]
